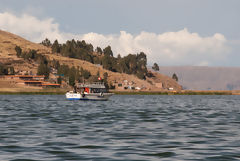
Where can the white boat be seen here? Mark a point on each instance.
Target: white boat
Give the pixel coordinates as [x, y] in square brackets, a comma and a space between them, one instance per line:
[93, 91]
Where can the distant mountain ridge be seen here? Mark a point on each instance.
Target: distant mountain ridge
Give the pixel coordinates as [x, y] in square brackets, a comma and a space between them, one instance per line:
[205, 78]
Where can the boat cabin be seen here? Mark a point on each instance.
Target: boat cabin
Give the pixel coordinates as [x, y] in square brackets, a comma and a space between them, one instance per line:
[91, 88]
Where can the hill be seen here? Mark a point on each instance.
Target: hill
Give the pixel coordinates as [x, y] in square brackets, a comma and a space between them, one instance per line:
[206, 78]
[8, 56]
[8, 42]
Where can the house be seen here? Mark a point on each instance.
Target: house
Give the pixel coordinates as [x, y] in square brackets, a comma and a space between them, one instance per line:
[137, 88]
[25, 77]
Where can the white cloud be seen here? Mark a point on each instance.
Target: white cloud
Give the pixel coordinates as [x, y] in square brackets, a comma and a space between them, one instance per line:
[169, 48]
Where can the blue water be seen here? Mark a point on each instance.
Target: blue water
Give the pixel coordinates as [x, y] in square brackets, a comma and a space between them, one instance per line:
[124, 128]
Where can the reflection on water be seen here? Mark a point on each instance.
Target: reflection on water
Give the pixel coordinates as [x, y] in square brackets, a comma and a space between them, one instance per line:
[123, 128]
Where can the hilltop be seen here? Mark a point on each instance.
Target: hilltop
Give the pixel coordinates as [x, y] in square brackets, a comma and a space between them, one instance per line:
[8, 56]
[8, 42]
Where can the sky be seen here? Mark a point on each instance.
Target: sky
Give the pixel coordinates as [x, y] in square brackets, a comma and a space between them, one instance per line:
[170, 32]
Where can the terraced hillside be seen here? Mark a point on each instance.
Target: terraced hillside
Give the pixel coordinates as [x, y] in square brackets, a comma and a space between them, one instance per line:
[9, 41]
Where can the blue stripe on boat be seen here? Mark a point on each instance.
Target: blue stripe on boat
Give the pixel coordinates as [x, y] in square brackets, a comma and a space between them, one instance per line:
[73, 98]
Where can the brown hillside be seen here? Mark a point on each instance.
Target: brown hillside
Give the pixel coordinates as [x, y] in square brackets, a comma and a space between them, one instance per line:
[9, 41]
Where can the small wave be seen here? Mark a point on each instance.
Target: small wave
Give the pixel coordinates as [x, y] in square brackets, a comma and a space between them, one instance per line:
[161, 154]
[89, 147]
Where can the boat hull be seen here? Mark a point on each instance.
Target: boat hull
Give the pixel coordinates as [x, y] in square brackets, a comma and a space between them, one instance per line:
[91, 96]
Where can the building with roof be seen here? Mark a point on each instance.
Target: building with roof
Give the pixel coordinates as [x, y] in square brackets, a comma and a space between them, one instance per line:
[31, 80]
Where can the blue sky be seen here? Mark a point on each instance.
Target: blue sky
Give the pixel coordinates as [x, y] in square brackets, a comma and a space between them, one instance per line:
[172, 32]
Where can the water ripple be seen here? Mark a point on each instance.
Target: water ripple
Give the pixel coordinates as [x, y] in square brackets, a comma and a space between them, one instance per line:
[123, 128]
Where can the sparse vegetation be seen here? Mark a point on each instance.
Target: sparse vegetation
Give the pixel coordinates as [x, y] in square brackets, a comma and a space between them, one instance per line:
[18, 49]
[32, 55]
[46, 42]
[174, 76]
[155, 67]
[130, 64]
[6, 70]
[173, 93]
[43, 69]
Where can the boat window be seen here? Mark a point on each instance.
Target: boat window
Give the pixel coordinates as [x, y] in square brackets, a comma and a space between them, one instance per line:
[98, 90]
[103, 90]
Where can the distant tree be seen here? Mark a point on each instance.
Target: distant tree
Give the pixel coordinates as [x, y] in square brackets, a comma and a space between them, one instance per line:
[142, 62]
[55, 64]
[105, 80]
[141, 75]
[89, 48]
[93, 78]
[155, 67]
[99, 50]
[86, 74]
[11, 70]
[150, 74]
[72, 76]
[130, 64]
[122, 65]
[3, 70]
[59, 80]
[63, 70]
[18, 51]
[108, 51]
[98, 74]
[32, 54]
[109, 63]
[23, 55]
[41, 59]
[96, 60]
[174, 76]
[43, 69]
[119, 57]
[78, 75]
[55, 47]
[46, 42]
[105, 76]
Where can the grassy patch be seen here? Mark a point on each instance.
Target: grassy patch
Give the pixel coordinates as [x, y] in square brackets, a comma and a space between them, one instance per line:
[172, 93]
[35, 92]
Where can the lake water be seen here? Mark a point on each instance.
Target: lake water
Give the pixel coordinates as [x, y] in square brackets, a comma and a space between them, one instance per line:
[123, 128]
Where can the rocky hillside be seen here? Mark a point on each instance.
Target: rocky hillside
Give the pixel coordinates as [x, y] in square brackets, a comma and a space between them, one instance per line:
[9, 41]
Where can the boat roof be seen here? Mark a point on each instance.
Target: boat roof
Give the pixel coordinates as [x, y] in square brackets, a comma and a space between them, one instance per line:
[91, 85]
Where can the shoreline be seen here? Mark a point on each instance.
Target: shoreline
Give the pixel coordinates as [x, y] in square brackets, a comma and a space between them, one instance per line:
[175, 93]
[184, 92]
[32, 93]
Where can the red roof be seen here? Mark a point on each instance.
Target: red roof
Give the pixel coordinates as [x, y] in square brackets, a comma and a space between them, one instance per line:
[32, 81]
[51, 84]
[34, 76]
